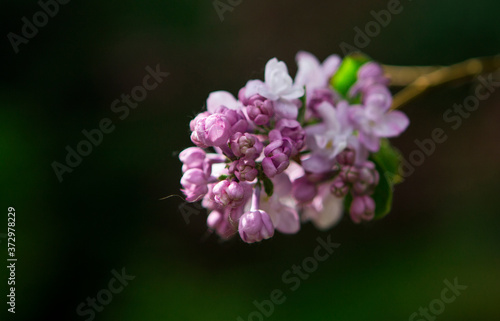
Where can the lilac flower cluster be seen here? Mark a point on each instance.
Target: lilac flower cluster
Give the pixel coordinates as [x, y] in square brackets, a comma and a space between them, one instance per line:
[286, 150]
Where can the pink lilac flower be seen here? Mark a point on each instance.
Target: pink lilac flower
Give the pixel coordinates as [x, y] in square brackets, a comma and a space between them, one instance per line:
[192, 157]
[228, 193]
[194, 181]
[316, 97]
[260, 111]
[259, 167]
[362, 209]
[327, 139]
[250, 93]
[282, 206]
[292, 130]
[325, 210]
[368, 179]
[369, 74]
[224, 221]
[277, 154]
[246, 145]
[311, 73]
[304, 190]
[213, 130]
[339, 187]
[236, 119]
[244, 169]
[255, 225]
[374, 120]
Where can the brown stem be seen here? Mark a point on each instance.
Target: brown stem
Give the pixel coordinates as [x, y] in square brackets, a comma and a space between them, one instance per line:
[420, 79]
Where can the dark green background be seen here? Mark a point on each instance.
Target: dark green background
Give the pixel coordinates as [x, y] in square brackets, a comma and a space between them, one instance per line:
[107, 215]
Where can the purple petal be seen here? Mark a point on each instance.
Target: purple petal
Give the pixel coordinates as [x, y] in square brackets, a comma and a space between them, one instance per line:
[317, 164]
[331, 64]
[370, 69]
[286, 109]
[371, 142]
[288, 221]
[357, 114]
[392, 124]
[268, 167]
[378, 96]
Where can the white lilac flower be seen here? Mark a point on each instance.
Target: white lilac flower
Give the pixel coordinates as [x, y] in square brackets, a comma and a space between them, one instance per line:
[279, 88]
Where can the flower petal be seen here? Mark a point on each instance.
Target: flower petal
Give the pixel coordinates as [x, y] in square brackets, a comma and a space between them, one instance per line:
[265, 92]
[318, 163]
[286, 109]
[252, 87]
[287, 220]
[293, 93]
[392, 124]
[331, 214]
[330, 65]
[308, 69]
[221, 98]
[370, 141]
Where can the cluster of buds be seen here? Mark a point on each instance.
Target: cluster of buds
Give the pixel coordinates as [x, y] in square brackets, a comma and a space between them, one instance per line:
[358, 179]
[287, 151]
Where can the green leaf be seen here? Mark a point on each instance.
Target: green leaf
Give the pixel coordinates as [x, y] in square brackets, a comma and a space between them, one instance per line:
[268, 186]
[383, 195]
[347, 74]
[389, 160]
[302, 109]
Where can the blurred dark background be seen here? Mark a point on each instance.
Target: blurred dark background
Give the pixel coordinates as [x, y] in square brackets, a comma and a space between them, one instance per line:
[107, 215]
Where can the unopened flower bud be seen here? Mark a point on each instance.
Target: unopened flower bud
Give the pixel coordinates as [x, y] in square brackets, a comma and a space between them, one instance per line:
[346, 157]
[192, 157]
[228, 193]
[339, 188]
[194, 182]
[246, 145]
[260, 111]
[277, 154]
[292, 130]
[368, 179]
[244, 169]
[223, 222]
[349, 174]
[214, 130]
[362, 209]
[255, 226]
